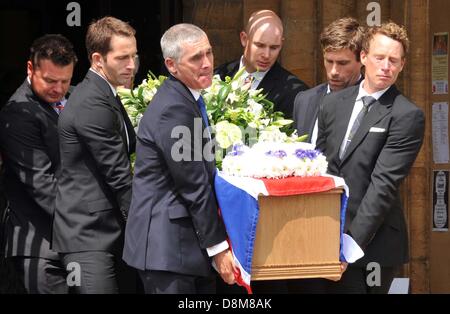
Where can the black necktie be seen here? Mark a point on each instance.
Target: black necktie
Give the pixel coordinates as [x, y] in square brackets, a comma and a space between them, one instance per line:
[367, 102]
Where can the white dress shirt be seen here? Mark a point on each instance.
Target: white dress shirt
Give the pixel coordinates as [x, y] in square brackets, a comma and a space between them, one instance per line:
[356, 109]
[257, 76]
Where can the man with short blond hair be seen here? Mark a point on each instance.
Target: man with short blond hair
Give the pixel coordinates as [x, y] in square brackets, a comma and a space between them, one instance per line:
[371, 135]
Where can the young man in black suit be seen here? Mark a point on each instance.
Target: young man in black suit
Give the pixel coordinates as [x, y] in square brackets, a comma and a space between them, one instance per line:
[174, 230]
[96, 140]
[341, 43]
[262, 41]
[29, 145]
[371, 135]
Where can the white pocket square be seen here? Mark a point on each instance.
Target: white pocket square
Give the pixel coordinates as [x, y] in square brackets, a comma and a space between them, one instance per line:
[377, 130]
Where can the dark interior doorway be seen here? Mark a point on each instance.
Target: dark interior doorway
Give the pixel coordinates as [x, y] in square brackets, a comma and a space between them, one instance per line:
[23, 21]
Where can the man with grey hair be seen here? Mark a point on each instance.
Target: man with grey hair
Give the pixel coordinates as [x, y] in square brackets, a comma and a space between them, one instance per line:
[174, 230]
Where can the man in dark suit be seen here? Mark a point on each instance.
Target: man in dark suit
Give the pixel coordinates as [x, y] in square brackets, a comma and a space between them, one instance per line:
[174, 230]
[29, 144]
[341, 43]
[371, 135]
[262, 41]
[96, 139]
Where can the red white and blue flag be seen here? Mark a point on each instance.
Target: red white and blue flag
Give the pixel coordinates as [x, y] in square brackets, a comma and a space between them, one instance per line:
[238, 202]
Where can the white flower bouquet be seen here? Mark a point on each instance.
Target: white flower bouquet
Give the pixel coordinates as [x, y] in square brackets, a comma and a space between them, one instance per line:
[241, 115]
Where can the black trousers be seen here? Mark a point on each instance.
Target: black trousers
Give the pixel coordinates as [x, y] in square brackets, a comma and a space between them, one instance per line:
[100, 273]
[162, 282]
[40, 275]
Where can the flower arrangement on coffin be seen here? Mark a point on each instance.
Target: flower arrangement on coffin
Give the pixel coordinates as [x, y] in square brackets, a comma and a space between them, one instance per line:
[247, 130]
[237, 112]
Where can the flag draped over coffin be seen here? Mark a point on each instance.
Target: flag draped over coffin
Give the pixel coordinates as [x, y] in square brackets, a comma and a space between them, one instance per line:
[238, 202]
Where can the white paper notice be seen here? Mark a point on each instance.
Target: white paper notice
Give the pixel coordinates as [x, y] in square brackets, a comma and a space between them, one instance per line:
[440, 133]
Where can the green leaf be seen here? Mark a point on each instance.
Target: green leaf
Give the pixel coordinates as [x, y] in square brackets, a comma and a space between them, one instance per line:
[239, 73]
[282, 122]
[302, 138]
[223, 93]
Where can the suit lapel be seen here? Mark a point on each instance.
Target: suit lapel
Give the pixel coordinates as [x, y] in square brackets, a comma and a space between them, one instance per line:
[378, 111]
[130, 140]
[183, 90]
[343, 112]
[233, 68]
[313, 108]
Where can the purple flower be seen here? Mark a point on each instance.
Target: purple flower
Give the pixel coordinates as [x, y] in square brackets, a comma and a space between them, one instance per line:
[237, 150]
[307, 153]
[276, 153]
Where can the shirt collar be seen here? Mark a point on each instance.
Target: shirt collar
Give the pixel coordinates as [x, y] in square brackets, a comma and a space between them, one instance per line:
[195, 93]
[258, 75]
[362, 92]
[329, 88]
[112, 87]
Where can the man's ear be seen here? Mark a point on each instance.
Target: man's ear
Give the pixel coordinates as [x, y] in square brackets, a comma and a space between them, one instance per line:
[97, 60]
[244, 38]
[171, 66]
[363, 57]
[403, 64]
[30, 68]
